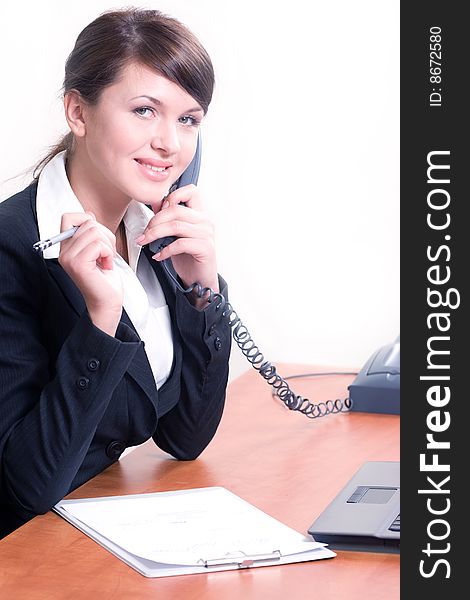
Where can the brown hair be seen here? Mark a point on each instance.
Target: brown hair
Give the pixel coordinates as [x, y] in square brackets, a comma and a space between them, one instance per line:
[148, 37]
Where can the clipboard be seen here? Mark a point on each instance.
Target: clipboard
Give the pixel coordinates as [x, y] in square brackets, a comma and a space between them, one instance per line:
[192, 531]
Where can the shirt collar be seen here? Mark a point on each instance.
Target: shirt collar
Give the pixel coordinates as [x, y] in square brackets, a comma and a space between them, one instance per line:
[56, 197]
[135, 220]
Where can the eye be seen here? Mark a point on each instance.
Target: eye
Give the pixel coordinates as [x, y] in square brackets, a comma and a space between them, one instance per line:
[188, 120]
[143, 111]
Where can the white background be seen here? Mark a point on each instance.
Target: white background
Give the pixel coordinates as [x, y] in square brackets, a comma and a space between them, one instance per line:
[300, 157]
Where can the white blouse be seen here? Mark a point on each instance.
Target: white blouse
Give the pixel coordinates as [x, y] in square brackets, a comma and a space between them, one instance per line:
[144, 300]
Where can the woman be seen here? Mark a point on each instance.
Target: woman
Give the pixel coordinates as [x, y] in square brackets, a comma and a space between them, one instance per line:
[99, 350]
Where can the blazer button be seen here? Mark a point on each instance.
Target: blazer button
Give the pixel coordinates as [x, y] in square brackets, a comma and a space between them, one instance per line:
[83, 383]
[93, 364]
[212, 330]
[115, 448]
[217, 343]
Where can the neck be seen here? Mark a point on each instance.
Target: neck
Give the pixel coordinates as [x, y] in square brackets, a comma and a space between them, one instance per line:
[95, 193]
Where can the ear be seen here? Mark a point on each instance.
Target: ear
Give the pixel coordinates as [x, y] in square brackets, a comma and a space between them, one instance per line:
[75, 107]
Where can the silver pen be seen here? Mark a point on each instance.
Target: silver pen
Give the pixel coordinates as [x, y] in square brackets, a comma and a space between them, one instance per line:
[44, 244]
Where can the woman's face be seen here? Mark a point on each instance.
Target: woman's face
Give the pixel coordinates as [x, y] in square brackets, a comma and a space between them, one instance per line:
[141, 135]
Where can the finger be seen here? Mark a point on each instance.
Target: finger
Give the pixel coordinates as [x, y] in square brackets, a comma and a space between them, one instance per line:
[197, 248]
[96, 253]
[177, 213]
[87, 234]
[70, 220]
[104, 231]
[180, 214]
[178, 229]
[188, 194]
[106, 259]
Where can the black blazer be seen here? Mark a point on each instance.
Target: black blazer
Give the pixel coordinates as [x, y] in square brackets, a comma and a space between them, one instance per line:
[72, 398]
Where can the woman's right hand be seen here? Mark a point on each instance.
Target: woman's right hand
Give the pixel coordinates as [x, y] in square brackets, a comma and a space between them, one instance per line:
[87, 257]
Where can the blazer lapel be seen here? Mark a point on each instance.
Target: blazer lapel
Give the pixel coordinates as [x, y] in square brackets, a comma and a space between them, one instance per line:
[140, 369]
[168, 286]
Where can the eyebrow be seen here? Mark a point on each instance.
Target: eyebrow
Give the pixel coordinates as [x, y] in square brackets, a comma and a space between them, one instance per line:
[160, 103]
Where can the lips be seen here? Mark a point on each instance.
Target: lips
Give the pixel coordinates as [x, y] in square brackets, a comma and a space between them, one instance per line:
[153, 170]
[154, 165]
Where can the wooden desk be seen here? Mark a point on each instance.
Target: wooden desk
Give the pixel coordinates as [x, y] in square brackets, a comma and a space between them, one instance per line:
[287, 465]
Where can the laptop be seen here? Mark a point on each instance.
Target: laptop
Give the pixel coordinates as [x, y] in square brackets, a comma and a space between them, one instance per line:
[365, 515]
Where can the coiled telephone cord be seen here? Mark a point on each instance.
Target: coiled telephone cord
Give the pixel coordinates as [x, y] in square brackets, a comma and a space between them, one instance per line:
[255, 357]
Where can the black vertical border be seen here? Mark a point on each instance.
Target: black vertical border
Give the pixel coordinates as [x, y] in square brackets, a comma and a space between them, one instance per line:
[424, 129]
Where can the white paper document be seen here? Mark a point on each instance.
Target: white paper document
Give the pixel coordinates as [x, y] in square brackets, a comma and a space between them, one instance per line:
[189, 531]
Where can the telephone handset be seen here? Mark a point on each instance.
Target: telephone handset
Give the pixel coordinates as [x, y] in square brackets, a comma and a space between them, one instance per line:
[190, 175]
[240, 333]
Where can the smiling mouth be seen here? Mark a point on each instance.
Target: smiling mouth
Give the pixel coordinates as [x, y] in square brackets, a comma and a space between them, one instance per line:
[151, 167]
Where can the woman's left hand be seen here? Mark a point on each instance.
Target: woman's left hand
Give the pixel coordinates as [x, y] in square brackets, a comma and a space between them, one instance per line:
[193, 252]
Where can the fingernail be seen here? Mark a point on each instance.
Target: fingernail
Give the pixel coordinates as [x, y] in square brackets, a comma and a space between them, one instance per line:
[140, 239]
[165, 204]
[157, 255]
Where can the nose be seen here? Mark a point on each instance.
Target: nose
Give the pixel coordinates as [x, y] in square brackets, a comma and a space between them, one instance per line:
[165, 138]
